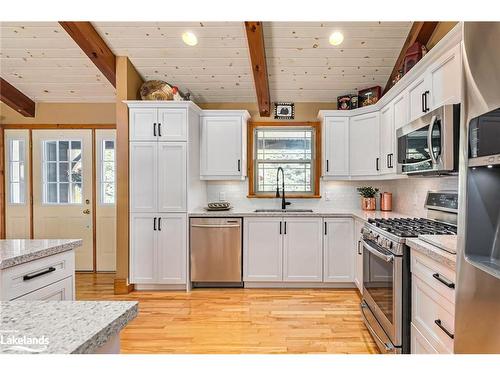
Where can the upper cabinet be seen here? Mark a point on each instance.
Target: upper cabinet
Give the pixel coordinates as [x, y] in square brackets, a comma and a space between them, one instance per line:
[364, 152]
[400, 104]
[158, 124]
[387, 139]
[223, 145]
[336, 146]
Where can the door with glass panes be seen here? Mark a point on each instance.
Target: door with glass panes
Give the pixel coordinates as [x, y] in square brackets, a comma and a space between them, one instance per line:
[62, 189]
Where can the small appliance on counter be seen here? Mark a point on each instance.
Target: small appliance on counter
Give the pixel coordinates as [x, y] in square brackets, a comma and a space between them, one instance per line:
[385, 201]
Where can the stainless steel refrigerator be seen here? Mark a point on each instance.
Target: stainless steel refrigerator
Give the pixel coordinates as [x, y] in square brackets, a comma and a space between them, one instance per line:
[477, 315]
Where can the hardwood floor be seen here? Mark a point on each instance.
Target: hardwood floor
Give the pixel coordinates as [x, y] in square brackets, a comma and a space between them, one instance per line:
[238, 320]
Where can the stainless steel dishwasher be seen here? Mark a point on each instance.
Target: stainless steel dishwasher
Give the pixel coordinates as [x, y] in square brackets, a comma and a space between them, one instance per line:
[216, 251]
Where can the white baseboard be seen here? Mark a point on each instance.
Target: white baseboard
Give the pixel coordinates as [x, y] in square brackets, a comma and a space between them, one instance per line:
[298, 285]
[160, 287]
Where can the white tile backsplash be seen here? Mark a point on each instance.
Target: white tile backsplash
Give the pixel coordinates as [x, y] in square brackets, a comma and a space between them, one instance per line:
[408, 194]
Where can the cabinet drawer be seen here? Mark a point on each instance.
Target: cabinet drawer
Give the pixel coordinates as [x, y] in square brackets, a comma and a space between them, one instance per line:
[61, 290]
[28, 277]
[429, 310]
[434, 274]
[419, 344]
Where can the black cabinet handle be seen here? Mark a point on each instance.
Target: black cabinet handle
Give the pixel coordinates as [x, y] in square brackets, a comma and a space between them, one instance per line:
[154, 223]
[423, 104]
[154, 129]
[239, 165]
[376, 163]
[440, 325]
[359, 252]
[327, 166]
[326, 229]
[390, 161]
[438, 277]
[285, 227]
[159, 129]
[159, 223]
[425, 101]
[44, 272]
[280, 227]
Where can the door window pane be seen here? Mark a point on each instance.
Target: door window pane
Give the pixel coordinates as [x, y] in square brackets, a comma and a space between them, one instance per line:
[107, 175]
[16, 165]
[62, 172]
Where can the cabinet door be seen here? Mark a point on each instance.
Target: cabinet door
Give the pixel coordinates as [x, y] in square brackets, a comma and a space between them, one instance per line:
[364, 144]
[358, 264]
[401, 110]
[419, 344]
[221, 147]
[143, 123]
[61, 290]
[172, 124]
[445, 79]
[142, 248]
[262, 249]
[387, 139]
[415, 99]
[171, 248]
[302, 249]
[338, 250]
[336, 146]
[172, 177]
[143, 176]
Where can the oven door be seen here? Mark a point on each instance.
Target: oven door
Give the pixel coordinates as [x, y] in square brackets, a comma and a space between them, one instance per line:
[382, 290]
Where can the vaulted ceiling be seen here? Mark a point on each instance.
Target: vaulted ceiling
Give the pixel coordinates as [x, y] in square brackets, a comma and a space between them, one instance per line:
[41, 60]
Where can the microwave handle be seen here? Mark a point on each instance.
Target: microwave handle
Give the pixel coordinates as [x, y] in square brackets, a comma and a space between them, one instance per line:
[429, 140]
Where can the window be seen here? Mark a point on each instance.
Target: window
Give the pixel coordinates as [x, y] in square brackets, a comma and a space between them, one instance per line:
[107, 175]
[17, 187]
[62, 172]
[292, 147]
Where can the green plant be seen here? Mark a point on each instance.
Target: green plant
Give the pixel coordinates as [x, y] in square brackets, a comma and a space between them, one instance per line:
[367, 191]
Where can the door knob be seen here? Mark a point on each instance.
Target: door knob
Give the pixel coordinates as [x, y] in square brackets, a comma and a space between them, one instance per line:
[86, 211]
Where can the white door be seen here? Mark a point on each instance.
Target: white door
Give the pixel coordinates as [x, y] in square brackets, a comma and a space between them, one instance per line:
[171, 248]
[105, 200]
[62, 189]
[415, 97]
[143, 259]
[445, 79]
[387, 136]
[221, 146]
[143, 124]
[172, 190]
[262, 249]
[143, 176]
[364, 145]
[302, 249]
[17, 194]
[336, 146]
[172, 124]
[338, 250]
[358, 268]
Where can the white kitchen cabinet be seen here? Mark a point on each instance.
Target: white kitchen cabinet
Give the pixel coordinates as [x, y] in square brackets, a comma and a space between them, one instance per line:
[172, 124]
[302, 249]
[61, 290]
[358, 262]
[143, 124]
[157, 124]
[387, 139]
[143, 253]
[336, 146]
[419, 344]
[338, 252]
[416, 93]
[400, 104]
[364, 151]
[172, 168]
[143, 176]
[223, 145]
[263, 249]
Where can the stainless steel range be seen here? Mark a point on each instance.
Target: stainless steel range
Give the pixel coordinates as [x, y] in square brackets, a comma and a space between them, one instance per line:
[386, 269]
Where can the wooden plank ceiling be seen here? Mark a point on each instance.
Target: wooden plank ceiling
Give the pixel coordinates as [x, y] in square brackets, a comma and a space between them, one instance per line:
[41, 60]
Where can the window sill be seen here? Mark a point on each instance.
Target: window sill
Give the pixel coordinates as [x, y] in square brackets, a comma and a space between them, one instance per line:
[287, 196]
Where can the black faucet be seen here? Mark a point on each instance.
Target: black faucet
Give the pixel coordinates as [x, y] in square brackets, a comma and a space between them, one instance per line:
[284, 203]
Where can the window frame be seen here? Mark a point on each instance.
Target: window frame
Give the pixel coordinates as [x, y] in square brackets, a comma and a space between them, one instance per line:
[101, 161]
[315, 164]
[22, 160]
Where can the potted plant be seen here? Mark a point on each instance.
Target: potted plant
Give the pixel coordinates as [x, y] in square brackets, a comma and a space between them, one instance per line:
[368, 202]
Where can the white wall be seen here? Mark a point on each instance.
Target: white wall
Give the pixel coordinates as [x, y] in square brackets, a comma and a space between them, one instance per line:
[408, 194]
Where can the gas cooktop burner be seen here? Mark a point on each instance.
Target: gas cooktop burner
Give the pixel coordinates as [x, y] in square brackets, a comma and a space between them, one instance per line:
[412, 227]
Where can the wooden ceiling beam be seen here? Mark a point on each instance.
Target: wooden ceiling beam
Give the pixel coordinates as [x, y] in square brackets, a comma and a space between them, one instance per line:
[89, 40]
[16, 100]
[419, 32]
[255, 38]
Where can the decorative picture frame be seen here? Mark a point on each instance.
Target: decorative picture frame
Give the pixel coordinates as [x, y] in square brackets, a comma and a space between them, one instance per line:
[284, 110]
[369, 96]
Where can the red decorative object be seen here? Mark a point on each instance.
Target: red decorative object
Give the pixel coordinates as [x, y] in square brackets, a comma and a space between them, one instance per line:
[369, 96]
[412, 56]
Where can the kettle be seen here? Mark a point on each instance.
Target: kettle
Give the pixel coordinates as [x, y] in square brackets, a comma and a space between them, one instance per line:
[386, 201]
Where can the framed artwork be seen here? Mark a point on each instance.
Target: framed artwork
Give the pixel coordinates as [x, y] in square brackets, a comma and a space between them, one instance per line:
[284, 111]
[344, 102]
[369, 96]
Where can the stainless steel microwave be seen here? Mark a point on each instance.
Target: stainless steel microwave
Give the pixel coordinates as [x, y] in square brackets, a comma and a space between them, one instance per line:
[429, 144]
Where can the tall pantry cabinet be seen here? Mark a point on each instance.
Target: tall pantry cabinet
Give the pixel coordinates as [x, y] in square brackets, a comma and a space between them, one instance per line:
[164, 185]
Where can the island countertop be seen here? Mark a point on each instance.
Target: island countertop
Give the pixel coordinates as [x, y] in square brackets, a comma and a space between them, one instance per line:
[62, 327]
[14, 252]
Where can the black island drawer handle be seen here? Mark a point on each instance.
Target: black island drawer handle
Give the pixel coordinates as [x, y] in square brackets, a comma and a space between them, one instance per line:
[441, 280]
[440, 325]
[44, 272]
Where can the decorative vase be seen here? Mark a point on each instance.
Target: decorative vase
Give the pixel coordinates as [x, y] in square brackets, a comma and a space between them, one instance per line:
[368, 204]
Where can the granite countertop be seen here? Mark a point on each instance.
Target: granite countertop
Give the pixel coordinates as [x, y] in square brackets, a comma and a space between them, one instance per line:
[61, 327]
[14, 252]
[442, 256]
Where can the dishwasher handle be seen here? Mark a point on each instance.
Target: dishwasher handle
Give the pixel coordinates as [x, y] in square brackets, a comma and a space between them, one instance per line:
[215, 225]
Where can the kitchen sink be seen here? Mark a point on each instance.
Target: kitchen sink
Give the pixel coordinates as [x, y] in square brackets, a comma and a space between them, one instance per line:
[285, 210]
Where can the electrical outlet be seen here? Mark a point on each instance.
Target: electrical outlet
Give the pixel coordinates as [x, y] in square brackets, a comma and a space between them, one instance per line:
[222, 196]
[328, 196]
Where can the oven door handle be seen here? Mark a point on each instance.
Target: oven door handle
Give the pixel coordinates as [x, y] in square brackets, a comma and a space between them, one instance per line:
[381, 255]
[388, 346]
[429, 140]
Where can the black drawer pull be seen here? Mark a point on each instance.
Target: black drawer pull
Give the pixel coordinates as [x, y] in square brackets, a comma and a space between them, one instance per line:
[159, 224]
[48, 270]
[280, 227]
[443, 281]
[326, 230]
[159, 129]
[239, 165]
[440, 325]
[154, 223]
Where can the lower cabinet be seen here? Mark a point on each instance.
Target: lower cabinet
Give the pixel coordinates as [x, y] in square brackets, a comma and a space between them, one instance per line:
[158, 248]
[419, 344]
[61, 290]
[338, 250]
[358, 255]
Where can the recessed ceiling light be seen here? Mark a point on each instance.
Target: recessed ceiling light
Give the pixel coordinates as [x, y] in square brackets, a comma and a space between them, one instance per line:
[189, 38]
[336, 38]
